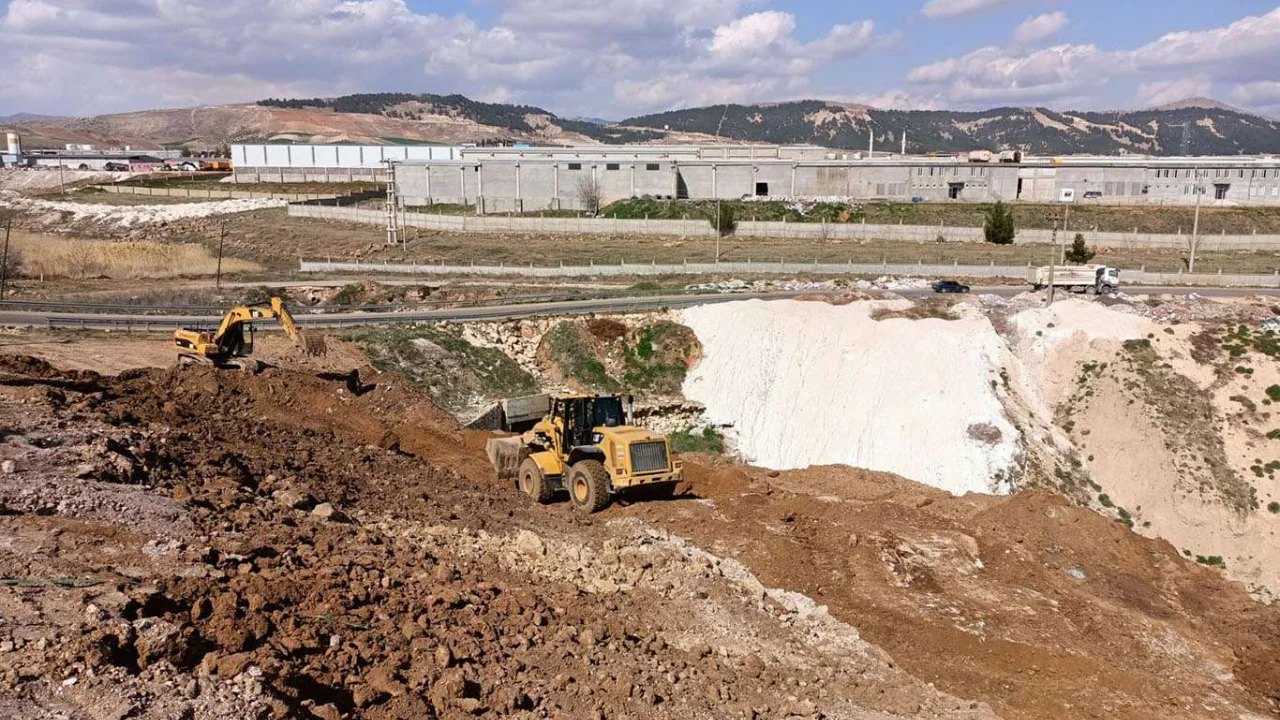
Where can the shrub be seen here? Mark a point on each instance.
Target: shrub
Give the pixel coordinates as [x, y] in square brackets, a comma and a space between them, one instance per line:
[1079, 252]
[708, 441]
[998, 227]
[1105, 500]
[1273, 507]
[1212, 561]
[1273, 392]
[722, 219]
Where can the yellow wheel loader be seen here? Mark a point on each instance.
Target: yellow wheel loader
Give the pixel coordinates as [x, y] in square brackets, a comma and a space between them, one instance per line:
[232, 343]
[587, 446]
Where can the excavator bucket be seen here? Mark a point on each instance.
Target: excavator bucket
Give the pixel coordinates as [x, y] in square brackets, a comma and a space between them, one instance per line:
[313, 344]
[506, 454]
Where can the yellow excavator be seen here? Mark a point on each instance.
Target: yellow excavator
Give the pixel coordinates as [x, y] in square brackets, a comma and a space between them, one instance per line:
[232, 344]
[586, 445]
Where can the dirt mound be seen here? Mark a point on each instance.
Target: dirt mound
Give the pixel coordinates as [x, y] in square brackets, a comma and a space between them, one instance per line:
[319, 562]
[1041, 608]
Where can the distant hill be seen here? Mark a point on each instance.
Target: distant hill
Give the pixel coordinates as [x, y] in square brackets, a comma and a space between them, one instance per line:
[1211, 129]
[27, 118]
[516, 118]
[1197, 126]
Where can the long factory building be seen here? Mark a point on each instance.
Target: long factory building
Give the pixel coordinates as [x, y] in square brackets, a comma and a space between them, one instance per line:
[524, 179]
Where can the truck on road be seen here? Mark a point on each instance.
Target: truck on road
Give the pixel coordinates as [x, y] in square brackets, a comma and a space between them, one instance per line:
[1087, 279]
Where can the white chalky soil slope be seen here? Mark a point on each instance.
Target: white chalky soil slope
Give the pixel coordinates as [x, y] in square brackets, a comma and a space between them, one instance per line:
[808, 383]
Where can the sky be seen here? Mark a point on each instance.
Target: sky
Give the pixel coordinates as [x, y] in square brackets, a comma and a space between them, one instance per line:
[619, 58]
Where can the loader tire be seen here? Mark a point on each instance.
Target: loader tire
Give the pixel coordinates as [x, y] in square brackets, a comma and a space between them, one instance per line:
[533, 483]
[589, 486]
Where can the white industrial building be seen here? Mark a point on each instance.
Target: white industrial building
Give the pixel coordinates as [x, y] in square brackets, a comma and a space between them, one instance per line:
[521, 179]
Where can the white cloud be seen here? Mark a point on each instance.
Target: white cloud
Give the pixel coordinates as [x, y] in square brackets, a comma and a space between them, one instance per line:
[895, 100]
[1246, 45]
[608, 57]
[995, 75]
[1163, 92]
[1263, 96]
[1035, 30]
[947, 9]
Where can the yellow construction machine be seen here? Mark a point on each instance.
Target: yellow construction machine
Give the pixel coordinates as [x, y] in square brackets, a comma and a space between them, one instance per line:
[587, 445]
[232, 343]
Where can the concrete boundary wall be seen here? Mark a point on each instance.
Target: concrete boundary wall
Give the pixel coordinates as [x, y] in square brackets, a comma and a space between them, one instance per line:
[1128, 277]
[931, 233]
[805, 231]
[506, 225]
[202, 193]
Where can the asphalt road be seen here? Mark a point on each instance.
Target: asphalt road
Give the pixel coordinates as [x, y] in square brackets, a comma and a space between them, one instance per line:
[506, 312]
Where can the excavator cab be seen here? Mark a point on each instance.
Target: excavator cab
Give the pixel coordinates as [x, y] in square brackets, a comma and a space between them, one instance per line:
[232, 343]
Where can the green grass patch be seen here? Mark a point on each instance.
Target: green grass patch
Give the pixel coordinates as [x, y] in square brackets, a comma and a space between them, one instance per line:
[458, 376]
[573, 352]
[710, 441]
[657, 357]
[1181, 411]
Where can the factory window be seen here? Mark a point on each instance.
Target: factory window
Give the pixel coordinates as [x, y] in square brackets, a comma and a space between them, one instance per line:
[930, 172]
[612, 166]
[575, 166]
[1241, 173]
[651, 166]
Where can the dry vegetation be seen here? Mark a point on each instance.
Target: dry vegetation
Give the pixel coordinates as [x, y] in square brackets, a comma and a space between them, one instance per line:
[49, 257]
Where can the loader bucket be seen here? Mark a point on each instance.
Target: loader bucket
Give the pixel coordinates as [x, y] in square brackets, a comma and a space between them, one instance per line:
[506, 454]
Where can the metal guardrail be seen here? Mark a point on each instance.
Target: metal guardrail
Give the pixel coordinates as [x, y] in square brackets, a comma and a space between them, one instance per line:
[303, 311]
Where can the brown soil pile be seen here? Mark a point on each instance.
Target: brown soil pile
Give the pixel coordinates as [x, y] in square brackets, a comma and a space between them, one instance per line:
[1041, 608]
[188, 543]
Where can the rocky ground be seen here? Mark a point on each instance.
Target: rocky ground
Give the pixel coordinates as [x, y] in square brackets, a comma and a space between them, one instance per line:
[311, 543]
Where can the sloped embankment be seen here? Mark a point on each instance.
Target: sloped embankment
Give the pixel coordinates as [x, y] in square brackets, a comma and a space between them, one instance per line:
[1165, 427]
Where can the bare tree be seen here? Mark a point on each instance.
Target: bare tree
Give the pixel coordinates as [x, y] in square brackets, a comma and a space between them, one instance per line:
[588, 192]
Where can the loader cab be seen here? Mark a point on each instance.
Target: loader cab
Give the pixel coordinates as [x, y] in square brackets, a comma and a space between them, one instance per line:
[579, 416]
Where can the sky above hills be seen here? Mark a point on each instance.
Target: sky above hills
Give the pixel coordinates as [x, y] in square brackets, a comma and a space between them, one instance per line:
[616, 58]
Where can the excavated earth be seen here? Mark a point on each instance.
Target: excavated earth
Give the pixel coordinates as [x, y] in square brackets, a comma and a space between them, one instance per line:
[183, 543]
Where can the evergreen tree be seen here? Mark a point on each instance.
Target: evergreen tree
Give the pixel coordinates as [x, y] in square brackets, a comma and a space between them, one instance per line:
[998, 226]
[1079, 252]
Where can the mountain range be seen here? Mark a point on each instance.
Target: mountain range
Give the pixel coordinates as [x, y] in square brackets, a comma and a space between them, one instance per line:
[1196, 126]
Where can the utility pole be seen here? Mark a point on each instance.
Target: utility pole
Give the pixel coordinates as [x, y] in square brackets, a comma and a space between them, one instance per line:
[1066, 219]
[904, 142]
[1053, 259]
[393, 229]
[1195, 225]
[222, 236]
[4, 262]
[718, 232]
[62, 184]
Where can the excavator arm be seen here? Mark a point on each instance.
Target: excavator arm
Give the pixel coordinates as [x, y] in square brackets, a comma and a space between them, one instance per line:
[310, 345]
[227, 342]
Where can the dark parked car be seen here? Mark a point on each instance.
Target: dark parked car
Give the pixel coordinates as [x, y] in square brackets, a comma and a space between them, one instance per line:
[950, 286]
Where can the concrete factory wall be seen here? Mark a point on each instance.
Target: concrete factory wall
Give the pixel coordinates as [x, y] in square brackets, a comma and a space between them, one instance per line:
[510, 186]
[933, 182]
[746, 229]
[515, 178]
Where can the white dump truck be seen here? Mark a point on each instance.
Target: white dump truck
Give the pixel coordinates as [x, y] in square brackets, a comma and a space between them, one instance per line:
[1087, 279]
